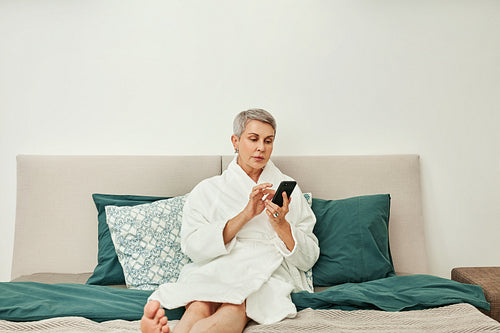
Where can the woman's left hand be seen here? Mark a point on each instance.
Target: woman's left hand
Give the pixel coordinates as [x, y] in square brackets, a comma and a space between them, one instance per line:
[276, 216]
[276, 213]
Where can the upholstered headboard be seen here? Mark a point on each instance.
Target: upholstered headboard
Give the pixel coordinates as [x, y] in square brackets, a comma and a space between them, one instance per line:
[56, 220]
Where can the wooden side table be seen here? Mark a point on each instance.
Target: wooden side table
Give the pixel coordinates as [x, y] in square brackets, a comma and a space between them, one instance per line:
[486, 277]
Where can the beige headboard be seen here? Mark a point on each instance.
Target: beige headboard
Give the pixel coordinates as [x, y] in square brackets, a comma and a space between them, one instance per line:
[56, 220]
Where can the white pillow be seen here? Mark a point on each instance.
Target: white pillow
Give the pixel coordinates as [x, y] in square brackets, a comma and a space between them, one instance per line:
[309, 274]
[309, 198]
[147, 241]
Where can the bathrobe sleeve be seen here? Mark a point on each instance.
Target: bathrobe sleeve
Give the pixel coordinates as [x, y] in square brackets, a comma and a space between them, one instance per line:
[302, 221]
[202, 234]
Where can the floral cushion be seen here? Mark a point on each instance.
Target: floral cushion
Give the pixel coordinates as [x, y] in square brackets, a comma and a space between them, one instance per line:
[147, 241]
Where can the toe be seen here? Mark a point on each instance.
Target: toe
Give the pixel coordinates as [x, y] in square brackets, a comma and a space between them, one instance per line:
[163, 324]
[160, 313]
[151, 309]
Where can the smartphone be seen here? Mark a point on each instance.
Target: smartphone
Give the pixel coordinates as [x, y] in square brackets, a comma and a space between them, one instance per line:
[284, 186]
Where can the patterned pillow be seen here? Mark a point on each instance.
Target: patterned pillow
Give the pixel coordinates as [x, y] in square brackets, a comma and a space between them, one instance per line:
[147, 241]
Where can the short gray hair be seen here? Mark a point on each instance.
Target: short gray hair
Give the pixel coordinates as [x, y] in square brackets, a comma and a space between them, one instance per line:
[242, 118]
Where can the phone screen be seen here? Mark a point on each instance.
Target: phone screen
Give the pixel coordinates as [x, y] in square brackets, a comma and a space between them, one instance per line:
[285, 186]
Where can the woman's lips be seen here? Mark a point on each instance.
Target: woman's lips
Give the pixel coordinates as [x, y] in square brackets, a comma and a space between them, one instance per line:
[258, 158]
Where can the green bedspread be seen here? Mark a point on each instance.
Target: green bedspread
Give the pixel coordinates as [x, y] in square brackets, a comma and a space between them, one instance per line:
[398, 293]
[30, 301]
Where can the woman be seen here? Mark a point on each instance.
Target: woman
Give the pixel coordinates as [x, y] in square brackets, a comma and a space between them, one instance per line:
[248, 253]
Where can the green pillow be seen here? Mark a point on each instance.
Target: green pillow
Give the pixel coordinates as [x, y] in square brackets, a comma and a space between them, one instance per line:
[108, 270]
[353, 240]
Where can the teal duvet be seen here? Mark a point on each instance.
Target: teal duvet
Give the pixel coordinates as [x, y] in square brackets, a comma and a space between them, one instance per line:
[30, 301]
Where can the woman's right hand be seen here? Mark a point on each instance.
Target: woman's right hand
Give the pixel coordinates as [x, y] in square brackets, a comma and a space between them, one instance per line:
[255, 206]
[256, 202]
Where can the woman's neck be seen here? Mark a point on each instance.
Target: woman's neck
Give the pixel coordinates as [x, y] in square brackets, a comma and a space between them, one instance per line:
[253, 173]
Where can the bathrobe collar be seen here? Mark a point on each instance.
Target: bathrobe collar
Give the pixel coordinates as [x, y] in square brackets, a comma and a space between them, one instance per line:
[268, 172]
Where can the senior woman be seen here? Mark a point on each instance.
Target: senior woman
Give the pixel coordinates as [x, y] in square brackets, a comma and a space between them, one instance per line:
[248, 253]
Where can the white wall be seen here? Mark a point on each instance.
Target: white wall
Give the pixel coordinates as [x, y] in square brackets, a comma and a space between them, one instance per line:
[341, 77]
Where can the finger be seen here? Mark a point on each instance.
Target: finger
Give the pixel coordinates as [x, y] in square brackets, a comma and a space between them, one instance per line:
[272, 206]
[271, 209]
[272, 214]
[257, 192]
[276, 211]
[262, 186]
[285, 200]
[253, 194]
[260, 189]
[269, 193]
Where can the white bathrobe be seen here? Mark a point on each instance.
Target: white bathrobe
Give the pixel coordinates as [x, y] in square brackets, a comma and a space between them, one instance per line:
[255, 265]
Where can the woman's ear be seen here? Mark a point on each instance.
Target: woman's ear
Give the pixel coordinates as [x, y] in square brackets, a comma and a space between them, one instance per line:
[236, 141]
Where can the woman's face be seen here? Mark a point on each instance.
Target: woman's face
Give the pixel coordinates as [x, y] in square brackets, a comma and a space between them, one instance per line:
[255, 146]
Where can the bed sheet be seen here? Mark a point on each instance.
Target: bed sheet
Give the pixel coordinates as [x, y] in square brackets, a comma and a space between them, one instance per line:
[451, 318]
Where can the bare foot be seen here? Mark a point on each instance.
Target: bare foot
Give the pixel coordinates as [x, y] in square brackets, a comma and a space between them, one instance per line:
[154, 320]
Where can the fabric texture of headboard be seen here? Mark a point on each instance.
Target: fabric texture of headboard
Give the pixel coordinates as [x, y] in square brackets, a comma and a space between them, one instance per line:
[56, 220]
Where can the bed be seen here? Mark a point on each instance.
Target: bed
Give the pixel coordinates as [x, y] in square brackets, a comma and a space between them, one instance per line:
[69, 273]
